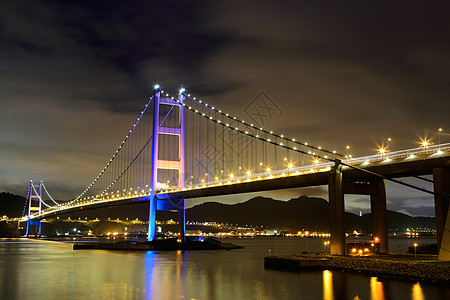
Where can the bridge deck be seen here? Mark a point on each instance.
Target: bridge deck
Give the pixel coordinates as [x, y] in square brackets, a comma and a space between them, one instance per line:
[394, 168]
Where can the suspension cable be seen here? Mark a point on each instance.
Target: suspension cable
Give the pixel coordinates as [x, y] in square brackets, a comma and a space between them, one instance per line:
[280, 136]
[40, 199]
[48, 194]
[117, 152]
[258, 137]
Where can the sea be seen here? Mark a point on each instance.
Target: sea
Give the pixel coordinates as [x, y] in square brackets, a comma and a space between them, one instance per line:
[45, 269]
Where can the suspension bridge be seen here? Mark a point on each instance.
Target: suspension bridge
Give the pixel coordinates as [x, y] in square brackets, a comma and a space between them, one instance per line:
[182, 147]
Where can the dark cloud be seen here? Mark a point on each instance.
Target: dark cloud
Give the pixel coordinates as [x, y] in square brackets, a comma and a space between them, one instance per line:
[129, 33]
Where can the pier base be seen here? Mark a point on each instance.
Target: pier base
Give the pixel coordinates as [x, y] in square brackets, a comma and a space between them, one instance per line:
[379, 215]
[337, 211]
[441, 182]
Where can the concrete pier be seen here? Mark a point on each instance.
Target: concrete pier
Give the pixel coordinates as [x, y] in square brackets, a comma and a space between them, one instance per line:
[337, 210]
[379, 214]
[441, 182]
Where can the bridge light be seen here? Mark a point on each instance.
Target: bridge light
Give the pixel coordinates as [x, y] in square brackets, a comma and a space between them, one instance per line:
[156, 87]
[231, 175]
[181, 91]
[249, 173]
[290, 166]
[425, 143]
[267, 169]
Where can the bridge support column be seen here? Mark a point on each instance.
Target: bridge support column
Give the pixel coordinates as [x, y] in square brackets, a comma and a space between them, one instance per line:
[154, 167]
[164, 162]
[182, 221]
[152, 217]
[337, 210]
[441, 182]
[379, 214]
[34, 205]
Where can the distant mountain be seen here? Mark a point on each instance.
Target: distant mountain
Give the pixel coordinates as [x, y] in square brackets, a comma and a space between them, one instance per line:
[298, 213]
[11, 205]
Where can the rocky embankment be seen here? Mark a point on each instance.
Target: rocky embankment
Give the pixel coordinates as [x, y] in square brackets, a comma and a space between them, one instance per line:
[403, 267]
[411, 270]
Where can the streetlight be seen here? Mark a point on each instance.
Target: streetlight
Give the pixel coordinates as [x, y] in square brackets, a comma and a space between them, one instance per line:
[439, 137]
[424, 143]
[381, 151]
[415, 252]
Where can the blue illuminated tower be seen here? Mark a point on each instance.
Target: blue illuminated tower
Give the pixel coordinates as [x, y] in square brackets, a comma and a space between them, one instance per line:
[160, 163]
[34, 205]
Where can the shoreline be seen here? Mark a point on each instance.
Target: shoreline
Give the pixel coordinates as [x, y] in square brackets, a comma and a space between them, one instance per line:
[426, 268]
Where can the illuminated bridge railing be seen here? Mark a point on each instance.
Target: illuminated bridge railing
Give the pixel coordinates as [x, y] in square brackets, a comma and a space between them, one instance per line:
[323, 167]
[295, 171]
[409, 154]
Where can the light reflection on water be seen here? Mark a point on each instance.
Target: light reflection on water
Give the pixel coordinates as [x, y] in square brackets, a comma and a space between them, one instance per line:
[52, 270]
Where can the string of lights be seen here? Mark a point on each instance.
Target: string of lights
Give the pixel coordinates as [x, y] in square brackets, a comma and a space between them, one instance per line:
[117, 151]
[315, 155]
[281, 136]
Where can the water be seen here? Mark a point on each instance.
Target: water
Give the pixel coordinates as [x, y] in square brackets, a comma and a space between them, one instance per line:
[32, 269]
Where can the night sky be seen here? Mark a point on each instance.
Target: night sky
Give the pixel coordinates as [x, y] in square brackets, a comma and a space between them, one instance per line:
[74, 76]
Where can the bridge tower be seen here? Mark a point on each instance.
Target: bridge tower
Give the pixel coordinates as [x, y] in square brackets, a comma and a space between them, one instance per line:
[34, 205]
[160, 162]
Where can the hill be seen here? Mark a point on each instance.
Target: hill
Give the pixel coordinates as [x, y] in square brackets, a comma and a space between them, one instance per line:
[296, 214]
[11, 205]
